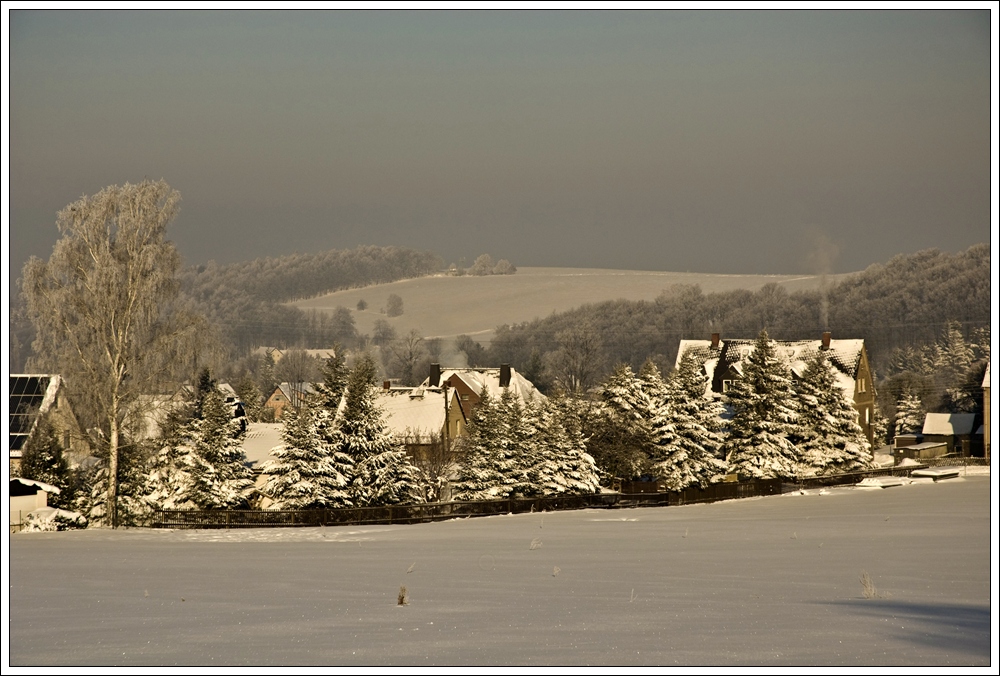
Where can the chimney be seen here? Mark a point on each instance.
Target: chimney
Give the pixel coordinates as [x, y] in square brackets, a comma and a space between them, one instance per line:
[826, 340]
[504, 375]
[715, 341]
[386, 384]
[435, 378]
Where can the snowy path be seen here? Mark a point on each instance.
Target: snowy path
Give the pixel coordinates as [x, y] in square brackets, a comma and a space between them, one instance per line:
[766, 581]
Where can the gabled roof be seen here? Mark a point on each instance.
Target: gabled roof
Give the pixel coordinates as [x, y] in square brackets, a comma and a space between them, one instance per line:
[478, 379]
[844, 355]
[296, 393]
[30, 396]
[415, 411]
[949, 423]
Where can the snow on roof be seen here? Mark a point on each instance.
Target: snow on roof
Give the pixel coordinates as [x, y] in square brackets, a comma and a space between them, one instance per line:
[260, 439]
[845, 355]
[414, 410]
[949, 423]
[489, 379]
[48, 488]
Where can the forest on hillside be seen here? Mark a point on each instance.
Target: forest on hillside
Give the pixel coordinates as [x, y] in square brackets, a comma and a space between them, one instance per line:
[901, 309]
[242, 305]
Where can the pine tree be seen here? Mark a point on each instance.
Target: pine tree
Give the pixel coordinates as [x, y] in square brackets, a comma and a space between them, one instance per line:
[132, 488]
[909, 413]
[627, 394]
[335, 377]
[492, 467]
[221, 478]
[383, 475]
[42, 460]
[830, 440]
[757, 445]
[560, 462]
[306, 472]
[684, 447]
[250, 395]
[694, 382]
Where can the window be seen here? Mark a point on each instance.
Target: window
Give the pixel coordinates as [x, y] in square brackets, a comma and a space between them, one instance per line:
[726, 384]
[868, 416]
[862, 387]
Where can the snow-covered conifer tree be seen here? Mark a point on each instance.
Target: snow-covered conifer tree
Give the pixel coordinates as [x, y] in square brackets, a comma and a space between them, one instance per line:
[335, 376]
[626, 394]
[383, 474]
[830, 440]
[757, 445]
[909, 413]
[684, 446]
[493, 465]
[221, 478]
[561, 464]
[305, 472]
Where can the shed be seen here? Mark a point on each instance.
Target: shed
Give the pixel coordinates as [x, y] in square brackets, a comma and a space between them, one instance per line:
[954, 429]
[27, 495]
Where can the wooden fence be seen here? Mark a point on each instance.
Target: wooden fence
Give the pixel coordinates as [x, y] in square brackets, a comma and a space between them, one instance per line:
[437, 511]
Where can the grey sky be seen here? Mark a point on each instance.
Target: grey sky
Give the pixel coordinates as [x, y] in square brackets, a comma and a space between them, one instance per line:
[701, 141]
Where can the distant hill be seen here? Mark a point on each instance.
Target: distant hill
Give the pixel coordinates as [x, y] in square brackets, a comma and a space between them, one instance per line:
[447, 306]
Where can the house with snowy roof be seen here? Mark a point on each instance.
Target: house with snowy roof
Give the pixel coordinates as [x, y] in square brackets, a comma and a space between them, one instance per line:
[957, 430]
[426, 419]
[287, 395]
[722, 361]
[470, 383]
[32, 396]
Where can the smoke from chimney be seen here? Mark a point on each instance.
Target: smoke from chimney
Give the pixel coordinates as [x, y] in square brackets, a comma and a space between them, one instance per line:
[821, 258]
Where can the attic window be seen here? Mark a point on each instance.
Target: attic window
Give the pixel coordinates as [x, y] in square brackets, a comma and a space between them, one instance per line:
[465, 397]
[862, 387]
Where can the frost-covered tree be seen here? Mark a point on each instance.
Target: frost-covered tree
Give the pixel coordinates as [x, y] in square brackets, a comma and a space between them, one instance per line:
[91, 498]
[493, 465]
[104, 308]
[305, 472]
[684, 447]
[250, 395]
[221, 478]
[383, 474]
[830, 440]
[627, 394]
[694, 383]
[202, 465]
[757, 445]
[335, 375]
[42, 460]
[909, 413]
[953, 356]
[562, 464]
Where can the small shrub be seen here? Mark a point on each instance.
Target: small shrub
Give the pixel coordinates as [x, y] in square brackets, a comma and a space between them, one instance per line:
[868, 589]
[403, 599]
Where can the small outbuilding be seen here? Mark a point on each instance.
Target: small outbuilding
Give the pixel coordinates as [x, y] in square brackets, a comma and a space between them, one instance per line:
[27, 495]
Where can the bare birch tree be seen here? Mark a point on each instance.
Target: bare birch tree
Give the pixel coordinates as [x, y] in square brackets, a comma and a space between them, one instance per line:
[103, 305]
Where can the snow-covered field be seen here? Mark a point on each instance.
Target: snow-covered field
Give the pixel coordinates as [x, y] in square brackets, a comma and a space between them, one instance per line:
[766, 581]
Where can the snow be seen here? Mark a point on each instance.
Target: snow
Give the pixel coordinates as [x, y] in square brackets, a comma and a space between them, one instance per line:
[949, 424]
[48, 488]
[765, 581]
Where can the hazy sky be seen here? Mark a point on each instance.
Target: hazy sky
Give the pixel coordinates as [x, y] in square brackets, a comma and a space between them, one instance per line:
[701, 141]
